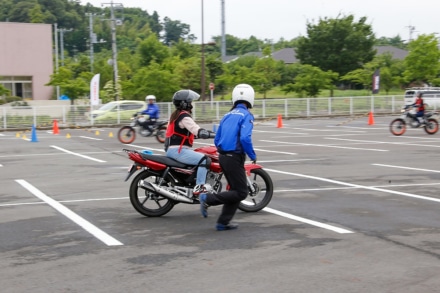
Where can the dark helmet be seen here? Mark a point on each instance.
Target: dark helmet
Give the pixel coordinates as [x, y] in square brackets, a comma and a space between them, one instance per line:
[182, 99]
[419, 94]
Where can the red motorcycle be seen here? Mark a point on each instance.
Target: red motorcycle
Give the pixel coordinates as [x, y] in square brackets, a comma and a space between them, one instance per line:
[163, 182]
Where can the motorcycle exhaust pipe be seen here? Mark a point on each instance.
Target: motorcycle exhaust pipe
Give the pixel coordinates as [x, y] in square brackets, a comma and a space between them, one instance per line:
[156, 188]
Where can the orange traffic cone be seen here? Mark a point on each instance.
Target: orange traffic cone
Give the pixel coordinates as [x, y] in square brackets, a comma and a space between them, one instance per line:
[370, 119]
[280, 121]
[55, 129]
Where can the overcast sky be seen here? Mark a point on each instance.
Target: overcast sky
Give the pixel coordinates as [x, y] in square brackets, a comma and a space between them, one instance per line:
[287, 19]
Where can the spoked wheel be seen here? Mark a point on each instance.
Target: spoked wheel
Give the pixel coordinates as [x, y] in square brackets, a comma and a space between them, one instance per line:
[160, 134]
[262, 194]
[432, 126]
[146, 202]
[126, 134]
[398, 126]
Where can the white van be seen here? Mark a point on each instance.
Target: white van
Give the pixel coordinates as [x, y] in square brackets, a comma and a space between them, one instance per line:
[431, 96]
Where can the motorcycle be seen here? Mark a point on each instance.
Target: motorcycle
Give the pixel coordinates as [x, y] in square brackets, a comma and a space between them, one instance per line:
[398, 126]
[163, 182]
[127, 134]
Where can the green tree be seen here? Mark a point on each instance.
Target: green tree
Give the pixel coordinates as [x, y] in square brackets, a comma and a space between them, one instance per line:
[36, 15]
[3, 90]
[155, 80]
[70, 86]
[310, 81]
[175, 30]
[267, 73]
[152, 50]
[340, 45]
[422, 62]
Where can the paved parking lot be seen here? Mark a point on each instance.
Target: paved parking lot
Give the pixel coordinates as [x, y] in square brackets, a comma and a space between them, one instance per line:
[355, 209]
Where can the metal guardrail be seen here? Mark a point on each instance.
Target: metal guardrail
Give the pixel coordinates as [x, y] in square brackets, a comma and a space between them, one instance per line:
[79, 115]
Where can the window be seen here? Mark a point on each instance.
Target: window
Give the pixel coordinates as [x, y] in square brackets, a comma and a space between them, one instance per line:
[19, 86]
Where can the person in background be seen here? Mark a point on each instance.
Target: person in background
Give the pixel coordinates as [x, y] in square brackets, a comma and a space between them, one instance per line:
[420, 107]
[153, 113]
[233, 141]
[181, 131]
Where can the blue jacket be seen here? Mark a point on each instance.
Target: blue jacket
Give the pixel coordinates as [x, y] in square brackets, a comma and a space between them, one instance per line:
[234, 133]
[152, 110]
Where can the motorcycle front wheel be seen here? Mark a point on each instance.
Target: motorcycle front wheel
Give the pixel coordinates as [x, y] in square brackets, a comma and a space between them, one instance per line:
[126, 134]
[262, 194]
[146, 202]
[398, 126]
[432, 126]
[160, 134]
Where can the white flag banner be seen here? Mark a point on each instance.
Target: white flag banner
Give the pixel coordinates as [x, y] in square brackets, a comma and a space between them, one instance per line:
[94, 90]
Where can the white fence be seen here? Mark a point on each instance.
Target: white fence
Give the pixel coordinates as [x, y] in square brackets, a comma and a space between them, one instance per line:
[79, 115]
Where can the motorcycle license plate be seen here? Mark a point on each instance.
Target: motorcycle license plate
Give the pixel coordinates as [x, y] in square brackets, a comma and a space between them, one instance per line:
[130, 171]
[132, 124]
[132, 168]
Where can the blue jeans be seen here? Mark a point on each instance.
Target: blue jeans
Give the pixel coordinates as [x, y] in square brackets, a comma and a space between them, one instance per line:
[190, 157]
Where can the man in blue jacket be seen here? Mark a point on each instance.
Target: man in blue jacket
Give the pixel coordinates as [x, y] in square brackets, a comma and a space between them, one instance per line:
[233, 141]
[152, 111]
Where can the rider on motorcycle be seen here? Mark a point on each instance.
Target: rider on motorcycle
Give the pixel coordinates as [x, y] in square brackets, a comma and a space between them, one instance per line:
[180, 137]
[419, 104]
[152, 111]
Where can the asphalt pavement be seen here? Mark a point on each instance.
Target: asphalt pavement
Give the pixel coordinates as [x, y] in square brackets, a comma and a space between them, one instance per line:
[355, 209]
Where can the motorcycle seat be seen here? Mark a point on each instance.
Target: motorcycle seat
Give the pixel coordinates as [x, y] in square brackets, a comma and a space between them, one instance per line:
[164, 160]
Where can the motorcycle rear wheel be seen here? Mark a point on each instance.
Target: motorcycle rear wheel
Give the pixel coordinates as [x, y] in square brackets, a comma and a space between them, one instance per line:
[126, 134]
[398, 126]
[263, 185]
[432, 126]
[160, 134]
[146, 202]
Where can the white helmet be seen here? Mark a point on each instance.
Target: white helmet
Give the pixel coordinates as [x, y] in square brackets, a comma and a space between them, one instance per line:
[150, 97]
[244, 93]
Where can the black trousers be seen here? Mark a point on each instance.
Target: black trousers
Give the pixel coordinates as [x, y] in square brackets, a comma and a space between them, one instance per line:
[233, 168]
[148, 123]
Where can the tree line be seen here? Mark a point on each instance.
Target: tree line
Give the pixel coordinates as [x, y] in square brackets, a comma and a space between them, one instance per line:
[159, 56]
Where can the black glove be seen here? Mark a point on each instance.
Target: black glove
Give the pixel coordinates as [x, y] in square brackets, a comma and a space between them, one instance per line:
[254, 161]
[203, 133]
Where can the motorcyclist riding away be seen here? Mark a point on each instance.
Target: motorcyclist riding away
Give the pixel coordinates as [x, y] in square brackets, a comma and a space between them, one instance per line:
[153, 113]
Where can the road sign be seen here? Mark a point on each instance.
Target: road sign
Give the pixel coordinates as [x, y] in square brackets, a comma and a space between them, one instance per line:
[211, 86]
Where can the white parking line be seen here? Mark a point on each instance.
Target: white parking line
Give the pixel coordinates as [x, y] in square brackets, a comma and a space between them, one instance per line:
[323, 145]
[307, 221]
[383, 142]
[92, 138]
[92, 229]
[356, 185]
[407, 168]
[76, 154]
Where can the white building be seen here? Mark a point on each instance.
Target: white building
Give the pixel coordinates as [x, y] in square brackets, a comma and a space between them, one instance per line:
[26, 59]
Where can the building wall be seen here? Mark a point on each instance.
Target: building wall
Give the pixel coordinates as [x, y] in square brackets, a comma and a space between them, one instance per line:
[26, 50]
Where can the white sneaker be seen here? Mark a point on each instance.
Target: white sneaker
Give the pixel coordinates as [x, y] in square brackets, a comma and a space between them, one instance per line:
[202, 188]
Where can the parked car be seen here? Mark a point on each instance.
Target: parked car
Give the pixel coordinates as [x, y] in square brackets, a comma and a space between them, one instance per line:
[431, 96]
[122, 109]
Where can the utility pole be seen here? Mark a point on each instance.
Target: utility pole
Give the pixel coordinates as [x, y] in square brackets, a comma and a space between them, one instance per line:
[56, 56]
[223, 48]
[62, 31]
[92, 39]
[411, 31]
[114, 22]
[202, 82]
